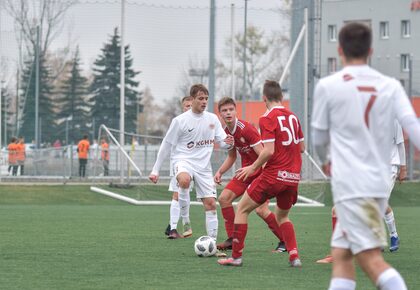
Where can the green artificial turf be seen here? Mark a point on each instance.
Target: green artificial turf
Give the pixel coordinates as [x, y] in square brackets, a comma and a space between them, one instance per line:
[67, 237]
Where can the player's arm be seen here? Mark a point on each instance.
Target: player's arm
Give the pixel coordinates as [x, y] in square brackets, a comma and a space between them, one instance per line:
[320, 126]
[321, 139]
[263, 157]
[227, 164]
[165, 149]
[302, 146]
[406, 115]
[225, 141]
[258, 148]
[403, 168]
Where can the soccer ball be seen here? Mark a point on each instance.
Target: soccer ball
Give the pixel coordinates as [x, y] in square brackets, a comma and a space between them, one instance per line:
[205, 246]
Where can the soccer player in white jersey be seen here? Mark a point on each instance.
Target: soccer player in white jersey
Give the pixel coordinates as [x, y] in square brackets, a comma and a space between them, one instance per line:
[353, 111]
[398, 171]
[193, 135]
[174, 211]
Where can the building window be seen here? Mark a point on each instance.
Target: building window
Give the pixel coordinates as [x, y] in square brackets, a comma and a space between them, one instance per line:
[332, 65]
[405, 28]
[384, 29]
[332, 33]
[405, 62]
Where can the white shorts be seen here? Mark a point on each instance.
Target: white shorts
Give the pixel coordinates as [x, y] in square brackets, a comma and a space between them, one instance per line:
[173, 185]
[360, 224]
[203, 179]
[394, 175]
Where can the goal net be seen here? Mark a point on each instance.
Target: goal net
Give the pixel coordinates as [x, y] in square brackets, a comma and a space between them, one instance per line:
[121, 171]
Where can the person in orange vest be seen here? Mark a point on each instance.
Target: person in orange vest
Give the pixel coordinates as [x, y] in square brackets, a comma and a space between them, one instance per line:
[105, 156]
[20, 154]
[83, 150]
[11, 148]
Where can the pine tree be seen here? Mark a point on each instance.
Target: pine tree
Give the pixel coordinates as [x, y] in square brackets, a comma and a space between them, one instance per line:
[5, 122]
[105, 88]
[73, 103]
[47, 126]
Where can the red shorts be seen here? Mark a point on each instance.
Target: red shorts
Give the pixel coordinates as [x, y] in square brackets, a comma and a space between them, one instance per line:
[238, 187]
[263, 188]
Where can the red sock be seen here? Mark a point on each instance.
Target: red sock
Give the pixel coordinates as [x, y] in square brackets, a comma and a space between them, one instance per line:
[288, 233]
[334, 221]
[239, 235]
[273, 225]
[229, 217]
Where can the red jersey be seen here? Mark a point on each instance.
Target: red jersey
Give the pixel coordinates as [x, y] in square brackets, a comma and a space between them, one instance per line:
[246, 136]
[281, 126]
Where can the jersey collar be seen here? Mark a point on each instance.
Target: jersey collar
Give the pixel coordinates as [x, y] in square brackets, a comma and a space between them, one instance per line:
[275, 107]
[234, 127]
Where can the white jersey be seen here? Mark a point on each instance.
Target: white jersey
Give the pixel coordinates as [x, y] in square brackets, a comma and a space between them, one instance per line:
[358, 106]
[192, 137]
[397, 139]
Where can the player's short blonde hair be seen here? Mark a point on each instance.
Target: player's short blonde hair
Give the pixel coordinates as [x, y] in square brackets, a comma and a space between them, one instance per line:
[186, 99]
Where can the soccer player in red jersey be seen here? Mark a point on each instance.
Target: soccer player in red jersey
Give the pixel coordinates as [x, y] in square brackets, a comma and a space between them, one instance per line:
[283, 144]
[248, 145]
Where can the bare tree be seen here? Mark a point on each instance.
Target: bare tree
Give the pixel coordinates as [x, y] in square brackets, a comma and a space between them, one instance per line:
[47, 14]
[265, 58]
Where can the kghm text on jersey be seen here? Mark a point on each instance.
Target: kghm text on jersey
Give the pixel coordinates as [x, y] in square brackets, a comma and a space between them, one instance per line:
[201, 143]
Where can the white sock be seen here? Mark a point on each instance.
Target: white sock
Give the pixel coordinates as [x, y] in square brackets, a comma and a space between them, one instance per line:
[390, 279]
[212, 223]
[390, 223]
[174, 214]
[342, 284]
[184, 204]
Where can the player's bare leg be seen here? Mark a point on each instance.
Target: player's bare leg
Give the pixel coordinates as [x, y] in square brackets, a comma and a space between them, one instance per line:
[264, 212]
[392, 229]
[380, 272]
[225, 200]
[343, 273]
[328, 258]
[245, 207]
[288, 233]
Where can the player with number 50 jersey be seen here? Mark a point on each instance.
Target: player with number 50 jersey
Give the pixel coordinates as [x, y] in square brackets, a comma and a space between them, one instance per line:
[283, 143]
[281, 126]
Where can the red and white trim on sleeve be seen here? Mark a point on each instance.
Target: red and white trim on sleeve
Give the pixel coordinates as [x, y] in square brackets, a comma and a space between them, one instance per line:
[268, 140]
[253, 145]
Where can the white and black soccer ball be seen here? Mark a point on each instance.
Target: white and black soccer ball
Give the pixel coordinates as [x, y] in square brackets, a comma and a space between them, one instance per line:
[205, 246]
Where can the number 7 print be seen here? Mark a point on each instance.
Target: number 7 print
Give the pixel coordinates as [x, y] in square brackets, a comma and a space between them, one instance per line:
[372, 99]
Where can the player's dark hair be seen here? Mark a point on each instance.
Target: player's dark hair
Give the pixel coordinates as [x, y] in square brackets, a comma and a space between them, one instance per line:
[186, 98]
[13, 140]
[225, 101]
[272, 91]
[85, 136]
[195, 89]
[355, 39]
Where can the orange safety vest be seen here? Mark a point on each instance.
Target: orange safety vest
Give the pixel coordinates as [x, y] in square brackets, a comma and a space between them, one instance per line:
[83, 148]
[105, 151]
[12, 153]
[20, 152]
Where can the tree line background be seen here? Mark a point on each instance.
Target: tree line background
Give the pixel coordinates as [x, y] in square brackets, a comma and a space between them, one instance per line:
[74, 101]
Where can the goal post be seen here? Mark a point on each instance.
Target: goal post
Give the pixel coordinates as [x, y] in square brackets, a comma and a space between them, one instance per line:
[125, 177]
